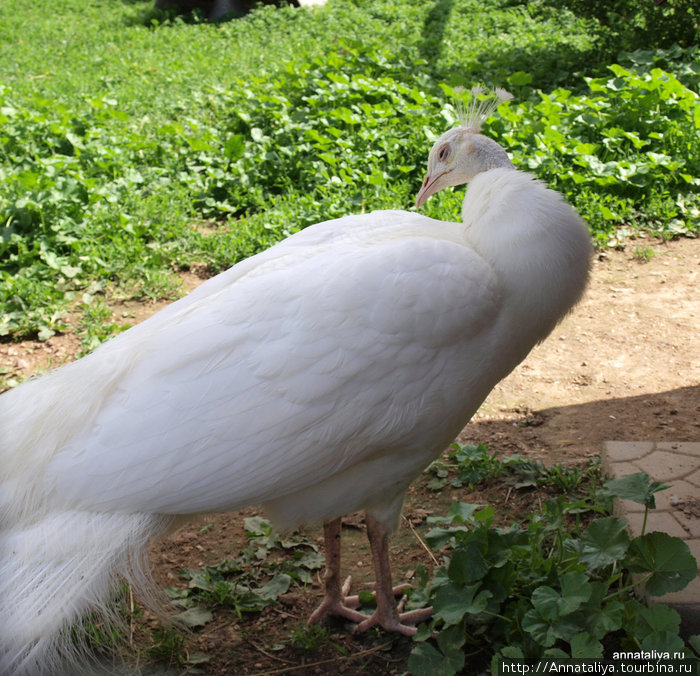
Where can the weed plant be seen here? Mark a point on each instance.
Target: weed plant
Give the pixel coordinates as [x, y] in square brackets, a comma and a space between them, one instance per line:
[251, 581]
[467, 465]
[133, 145]
[546, 588]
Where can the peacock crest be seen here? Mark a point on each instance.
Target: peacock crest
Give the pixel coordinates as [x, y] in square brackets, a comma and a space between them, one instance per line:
[480, 104]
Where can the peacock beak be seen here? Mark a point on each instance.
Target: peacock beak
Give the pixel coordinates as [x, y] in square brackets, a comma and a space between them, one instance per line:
[431, 185]
[422, 195]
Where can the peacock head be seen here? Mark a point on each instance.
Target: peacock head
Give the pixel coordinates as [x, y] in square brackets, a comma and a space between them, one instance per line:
[462, 153]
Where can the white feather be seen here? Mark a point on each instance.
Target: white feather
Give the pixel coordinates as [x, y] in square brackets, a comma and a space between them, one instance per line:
[318, 377]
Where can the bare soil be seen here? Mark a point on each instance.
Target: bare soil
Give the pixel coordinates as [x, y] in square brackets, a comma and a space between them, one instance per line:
[625, 365]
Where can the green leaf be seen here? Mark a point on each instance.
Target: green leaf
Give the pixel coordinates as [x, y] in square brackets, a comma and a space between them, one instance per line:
[656, 619]
[426, 660]
[637, 487]
[461, 512]
[546, 602]
[667, 558]
[575, 590]
[604, 542]
[278, 585]
[45, 333]
[467, 564]
[257, 526]
[234, 148]
[438, 537]
[520, 78]
[547, 631]
[694, 643]
[451, 640]
[194, 617]
[605, 620]
[366, 598]
[584, 645]
[423, 634]
[436, 484]
[311, 560]
[664, 642]
[452, 602]
[551, 605]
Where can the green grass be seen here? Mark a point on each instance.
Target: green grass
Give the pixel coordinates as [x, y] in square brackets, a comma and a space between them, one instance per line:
[134, 145]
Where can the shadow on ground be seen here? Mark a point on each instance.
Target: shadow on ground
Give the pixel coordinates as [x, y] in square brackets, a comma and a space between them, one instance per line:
[575, 432]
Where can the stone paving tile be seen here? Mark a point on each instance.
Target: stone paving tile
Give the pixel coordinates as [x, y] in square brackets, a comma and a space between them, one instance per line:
[677, 508]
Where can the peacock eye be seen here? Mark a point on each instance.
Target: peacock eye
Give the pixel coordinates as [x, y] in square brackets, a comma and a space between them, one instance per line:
[444, 152]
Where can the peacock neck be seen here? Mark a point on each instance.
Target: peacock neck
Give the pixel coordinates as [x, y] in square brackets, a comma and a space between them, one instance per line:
[488, 155]
[535, 242]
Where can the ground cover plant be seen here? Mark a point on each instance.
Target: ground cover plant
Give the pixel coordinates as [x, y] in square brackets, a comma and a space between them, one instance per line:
[130, 149]
[549, 572]
[551, 587]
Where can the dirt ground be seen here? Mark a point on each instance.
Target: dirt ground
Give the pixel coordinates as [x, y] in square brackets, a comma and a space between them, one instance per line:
[625, 365]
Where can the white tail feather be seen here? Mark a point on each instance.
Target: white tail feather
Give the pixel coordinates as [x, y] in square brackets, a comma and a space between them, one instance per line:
[49, 578]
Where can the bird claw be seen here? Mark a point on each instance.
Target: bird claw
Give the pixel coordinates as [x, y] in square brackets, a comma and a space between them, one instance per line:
[349, 601]
[398, 622]
[335, 609]
[344, 606]
[392, 619]
[354, 601]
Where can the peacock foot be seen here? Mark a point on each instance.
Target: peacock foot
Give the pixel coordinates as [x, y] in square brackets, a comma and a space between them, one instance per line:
[400, 623]
[389, 617]
[339, 605]
[393, 618]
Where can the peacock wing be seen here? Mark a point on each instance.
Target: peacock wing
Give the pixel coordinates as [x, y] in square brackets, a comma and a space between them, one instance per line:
[293, 373]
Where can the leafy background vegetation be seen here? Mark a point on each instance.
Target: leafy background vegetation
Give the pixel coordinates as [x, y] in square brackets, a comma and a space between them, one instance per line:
[557, 586]
[134, 144]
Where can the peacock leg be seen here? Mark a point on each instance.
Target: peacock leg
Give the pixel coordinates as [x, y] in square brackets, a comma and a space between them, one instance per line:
[334, 602]
[387, 615]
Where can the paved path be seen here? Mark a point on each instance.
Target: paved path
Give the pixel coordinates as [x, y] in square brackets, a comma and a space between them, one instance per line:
[677, 508]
